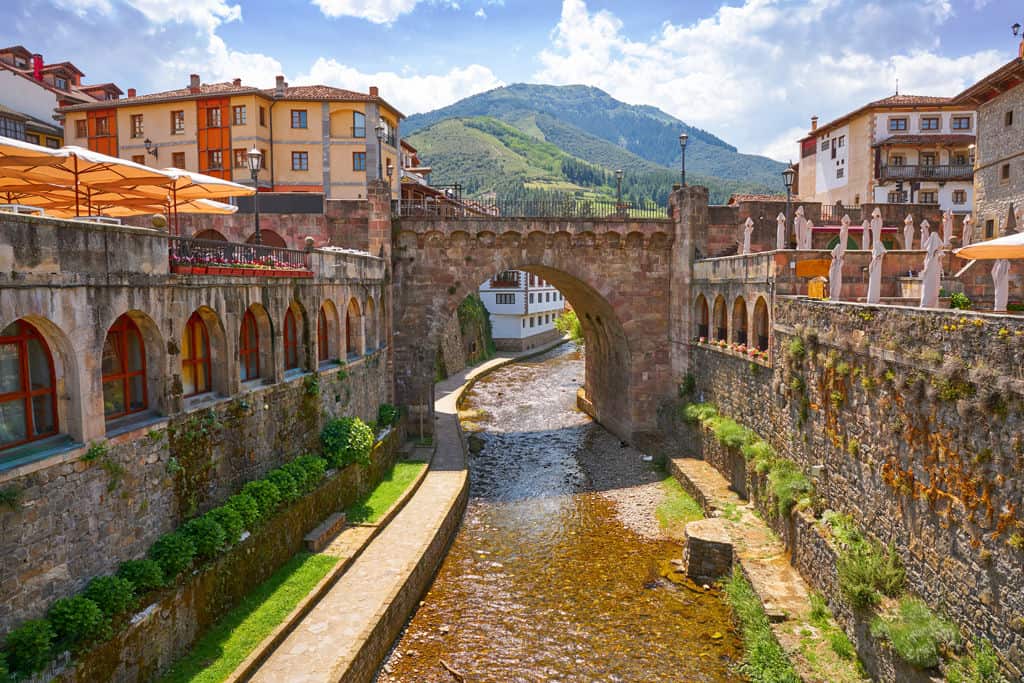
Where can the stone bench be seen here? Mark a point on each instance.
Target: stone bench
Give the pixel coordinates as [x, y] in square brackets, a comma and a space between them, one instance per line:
[708, 553]
[317, 539]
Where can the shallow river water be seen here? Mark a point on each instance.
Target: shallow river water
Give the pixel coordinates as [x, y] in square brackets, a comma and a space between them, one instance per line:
[543, 581]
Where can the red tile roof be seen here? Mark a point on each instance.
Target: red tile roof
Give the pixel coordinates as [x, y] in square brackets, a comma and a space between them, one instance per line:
[948, 139]
[737, 198]
[1008, 76]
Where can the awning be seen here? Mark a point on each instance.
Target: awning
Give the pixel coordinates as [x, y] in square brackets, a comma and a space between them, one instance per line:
[1007, 247]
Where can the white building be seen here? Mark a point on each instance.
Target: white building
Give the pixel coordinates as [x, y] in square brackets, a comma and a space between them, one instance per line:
[523, 309]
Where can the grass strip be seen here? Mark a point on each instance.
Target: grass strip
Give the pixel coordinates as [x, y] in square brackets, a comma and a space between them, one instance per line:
[678, 508]
[368, 509]
[236, 635]
[765, 660]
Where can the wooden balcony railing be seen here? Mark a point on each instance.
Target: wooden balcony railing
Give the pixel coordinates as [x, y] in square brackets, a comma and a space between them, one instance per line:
[189, 256]
[924, 172]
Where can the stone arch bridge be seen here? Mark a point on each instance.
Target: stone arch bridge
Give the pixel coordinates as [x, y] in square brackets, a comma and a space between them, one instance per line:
[621, 275]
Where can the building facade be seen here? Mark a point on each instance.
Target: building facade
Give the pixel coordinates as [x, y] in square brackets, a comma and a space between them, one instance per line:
[314, 138]
[999, 162]
[523, 309]
[901, 149]
[30, 91]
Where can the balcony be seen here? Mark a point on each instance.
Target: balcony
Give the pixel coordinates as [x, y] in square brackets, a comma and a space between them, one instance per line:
[946, 172]
[189, 256]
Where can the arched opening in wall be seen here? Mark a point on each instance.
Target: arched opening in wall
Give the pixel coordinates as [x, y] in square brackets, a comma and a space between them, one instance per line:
[353, 330]
[700, 314]
[370, 325]
[268, 238]
[211, 235]
[28, 387]
[125, 389]
[739, 321]
[204, 361]
[294, 338]
[761, 324]
[255, 350]
[327, 333]
[721, 321]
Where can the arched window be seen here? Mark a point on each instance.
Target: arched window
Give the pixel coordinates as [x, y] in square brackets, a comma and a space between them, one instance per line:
[353, 330]
[124, 370]
[322, 347]
[291, 341]
[249, 348]
[211, 235]
[701, 315]
[739, 321]
[721, 320]
[761, 324]
[370, 326]
[28, 396]
[195, 358]
[358, 124]
[268, 238]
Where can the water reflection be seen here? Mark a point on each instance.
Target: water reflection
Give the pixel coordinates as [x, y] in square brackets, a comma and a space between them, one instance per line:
[543, 582]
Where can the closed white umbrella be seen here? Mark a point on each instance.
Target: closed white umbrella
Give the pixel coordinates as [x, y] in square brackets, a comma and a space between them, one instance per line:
[908, 233]
[1001, 280]
[844, 230]
[931, 274]
[876, 225]
[835, 272]
[748, 229]
[780, 231]
[947, 229]
[968, 234]
[875, 273]
[865, 235]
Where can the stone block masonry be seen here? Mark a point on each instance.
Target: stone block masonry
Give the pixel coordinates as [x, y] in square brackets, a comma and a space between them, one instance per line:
[707, 555]
[912, 418]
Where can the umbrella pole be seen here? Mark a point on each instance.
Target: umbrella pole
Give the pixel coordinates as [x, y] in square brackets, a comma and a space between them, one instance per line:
[77, 212]
[177, 227]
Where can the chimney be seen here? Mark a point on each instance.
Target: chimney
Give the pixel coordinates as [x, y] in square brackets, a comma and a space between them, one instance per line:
[374, 92]
[279, 87]
[814, 123]
[193, 83]
[37, 67]
[237, 82]
[131, 92]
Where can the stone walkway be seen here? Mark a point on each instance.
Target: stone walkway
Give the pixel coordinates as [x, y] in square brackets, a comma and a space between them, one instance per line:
[348, 633]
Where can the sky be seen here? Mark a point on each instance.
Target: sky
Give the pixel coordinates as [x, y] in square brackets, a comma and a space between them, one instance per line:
[752, 72]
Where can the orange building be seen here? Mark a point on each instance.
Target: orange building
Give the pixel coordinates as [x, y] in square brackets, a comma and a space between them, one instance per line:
[314, 138]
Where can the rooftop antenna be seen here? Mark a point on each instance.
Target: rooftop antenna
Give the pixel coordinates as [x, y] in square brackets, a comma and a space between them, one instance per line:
[897, 85]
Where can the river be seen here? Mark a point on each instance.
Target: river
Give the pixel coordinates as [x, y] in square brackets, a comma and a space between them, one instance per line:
[552, 576]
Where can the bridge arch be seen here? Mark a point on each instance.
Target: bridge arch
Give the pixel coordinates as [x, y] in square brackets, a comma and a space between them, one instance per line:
[619, 289]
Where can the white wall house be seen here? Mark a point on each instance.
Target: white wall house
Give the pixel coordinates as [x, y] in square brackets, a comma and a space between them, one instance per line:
[523, 309]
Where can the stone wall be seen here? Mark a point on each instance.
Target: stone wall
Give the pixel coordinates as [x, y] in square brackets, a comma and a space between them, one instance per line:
[171, 625]
[452, 353]
[915, 417]
[998, 144]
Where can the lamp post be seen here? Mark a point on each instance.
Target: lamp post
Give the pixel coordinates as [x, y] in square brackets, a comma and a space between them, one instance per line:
[255, 159]
[151, 148]
[379, 128]
[618, 191]
[787, 179]
[682, 158]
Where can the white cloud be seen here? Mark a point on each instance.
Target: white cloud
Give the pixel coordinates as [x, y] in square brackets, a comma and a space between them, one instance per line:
[410, 92]
[750, 71]
[480, 13]
[375, 11]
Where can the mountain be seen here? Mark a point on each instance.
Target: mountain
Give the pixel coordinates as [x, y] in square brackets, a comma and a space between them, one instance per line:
[590, 124]
[488, 156]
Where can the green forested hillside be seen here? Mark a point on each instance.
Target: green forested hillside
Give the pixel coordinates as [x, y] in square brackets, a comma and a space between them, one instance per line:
[590, 124]
[488, 156]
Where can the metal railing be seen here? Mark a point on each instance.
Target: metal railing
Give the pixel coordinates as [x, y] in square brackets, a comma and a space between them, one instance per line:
[190, 252]
[835, 213]
[945, 172]
[517, 208]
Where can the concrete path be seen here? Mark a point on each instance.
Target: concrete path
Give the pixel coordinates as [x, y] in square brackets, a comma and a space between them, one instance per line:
[347, 634]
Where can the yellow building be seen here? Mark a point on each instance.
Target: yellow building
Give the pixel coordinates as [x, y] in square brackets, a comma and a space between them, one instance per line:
[314, 138]
[904, 148]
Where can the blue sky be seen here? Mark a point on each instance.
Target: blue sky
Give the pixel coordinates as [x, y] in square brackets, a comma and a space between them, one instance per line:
[750, 71]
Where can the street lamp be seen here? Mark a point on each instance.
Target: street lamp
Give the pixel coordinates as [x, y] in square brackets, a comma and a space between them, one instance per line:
[379, 128]
[1015, 28]
[787, 179]
[151, 148]
[682, 162]
[618, 191]
[255, 159]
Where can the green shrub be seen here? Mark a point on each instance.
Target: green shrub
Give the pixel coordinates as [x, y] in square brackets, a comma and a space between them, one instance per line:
[230, 521]
[145, 575]
[207, 535]
[77, 619]
[917, 635]
[174, 553]
[346, 440]
[731, 434]
[387, 415]
[245, 505]
[959, 300]
[112, 594]
[757, 451]
[820, 613]
[699, 413]
[289, 489]
[980, 667]
[843, 528]
[796, 350]
[5, 673]
[264, 494]
[867, 571]
[303, 479]
[315, 468]
[30, 647]
[787, 485]
[841, 645]
[765, 660]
